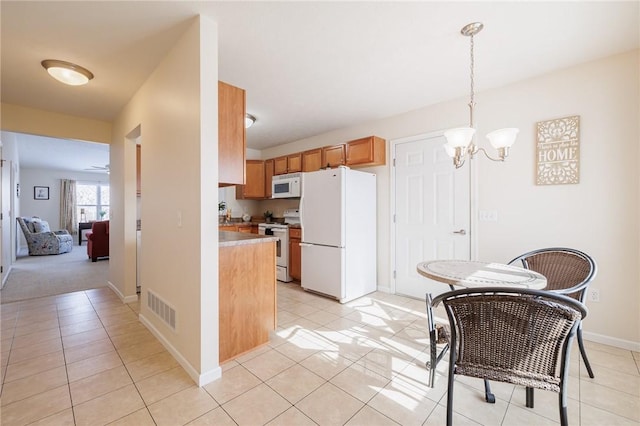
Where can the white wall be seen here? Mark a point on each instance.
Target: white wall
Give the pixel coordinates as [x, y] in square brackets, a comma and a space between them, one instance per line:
[48, 210]
[175, 114]
[599, 215]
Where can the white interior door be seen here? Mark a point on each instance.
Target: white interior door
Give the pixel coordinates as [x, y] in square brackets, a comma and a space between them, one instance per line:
[5, 229]
[432, 211]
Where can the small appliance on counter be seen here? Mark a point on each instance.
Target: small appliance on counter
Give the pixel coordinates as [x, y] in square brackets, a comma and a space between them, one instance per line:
[281, 230]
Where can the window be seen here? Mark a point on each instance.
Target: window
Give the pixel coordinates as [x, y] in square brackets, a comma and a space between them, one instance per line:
[92, 201]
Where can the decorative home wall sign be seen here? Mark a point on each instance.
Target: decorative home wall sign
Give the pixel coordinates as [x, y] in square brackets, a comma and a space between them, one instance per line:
[558, 151]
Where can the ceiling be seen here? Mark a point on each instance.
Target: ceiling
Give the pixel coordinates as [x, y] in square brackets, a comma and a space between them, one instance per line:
[308, 67]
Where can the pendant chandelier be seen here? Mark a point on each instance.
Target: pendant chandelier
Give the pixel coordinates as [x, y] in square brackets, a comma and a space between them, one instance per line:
[460, 145]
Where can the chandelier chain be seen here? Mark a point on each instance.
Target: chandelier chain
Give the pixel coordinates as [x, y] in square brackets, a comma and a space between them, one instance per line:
[472, 97]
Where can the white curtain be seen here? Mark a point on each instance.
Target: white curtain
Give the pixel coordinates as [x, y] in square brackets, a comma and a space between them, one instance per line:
[68, 218]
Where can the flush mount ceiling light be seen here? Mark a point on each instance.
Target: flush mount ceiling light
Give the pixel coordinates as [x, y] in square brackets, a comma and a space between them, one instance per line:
[249, 120]
[460, 144]
[66, 72]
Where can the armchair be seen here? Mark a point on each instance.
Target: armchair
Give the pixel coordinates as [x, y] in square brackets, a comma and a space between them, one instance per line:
[98, 240]
[41, 240]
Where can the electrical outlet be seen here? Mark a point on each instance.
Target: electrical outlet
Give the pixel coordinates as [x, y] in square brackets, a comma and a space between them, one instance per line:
[594, 295]
[488, 215]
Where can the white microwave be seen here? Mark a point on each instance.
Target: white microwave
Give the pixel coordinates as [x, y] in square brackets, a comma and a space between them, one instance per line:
[286, 186]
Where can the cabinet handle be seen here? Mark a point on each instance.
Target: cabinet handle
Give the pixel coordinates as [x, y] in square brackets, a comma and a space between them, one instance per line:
[461, 232]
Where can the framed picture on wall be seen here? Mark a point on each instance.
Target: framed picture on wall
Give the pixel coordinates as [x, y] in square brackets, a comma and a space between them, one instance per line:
[40, 192]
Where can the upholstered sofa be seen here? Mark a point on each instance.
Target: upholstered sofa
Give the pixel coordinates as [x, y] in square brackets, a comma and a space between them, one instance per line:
[98, 240]
[41, 240]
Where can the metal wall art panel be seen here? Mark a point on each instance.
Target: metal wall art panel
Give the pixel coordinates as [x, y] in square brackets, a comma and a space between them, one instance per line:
[558, 151]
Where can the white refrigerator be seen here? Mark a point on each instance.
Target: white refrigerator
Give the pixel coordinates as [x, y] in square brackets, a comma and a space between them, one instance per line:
[338, 220]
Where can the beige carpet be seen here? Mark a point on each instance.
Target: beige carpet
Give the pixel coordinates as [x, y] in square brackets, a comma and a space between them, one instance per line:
[39, 276]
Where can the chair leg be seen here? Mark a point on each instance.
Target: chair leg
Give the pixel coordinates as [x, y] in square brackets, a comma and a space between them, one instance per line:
[450, 379]
[564, 419]
[583, 352]
[488, 396]
[433, 352]
[529, 397]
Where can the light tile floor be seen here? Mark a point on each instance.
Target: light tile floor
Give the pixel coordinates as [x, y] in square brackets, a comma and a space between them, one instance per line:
[84, 359]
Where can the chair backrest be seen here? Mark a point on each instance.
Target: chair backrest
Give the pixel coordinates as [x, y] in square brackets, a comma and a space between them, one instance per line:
[568, 271]
[512, 335]
[100, 227]
[23, 225]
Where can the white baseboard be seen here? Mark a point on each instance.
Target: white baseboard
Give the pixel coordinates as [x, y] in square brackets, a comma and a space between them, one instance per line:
[127, 299]
[6, 276]
[200, 379]
[384, 289]
[611, 341]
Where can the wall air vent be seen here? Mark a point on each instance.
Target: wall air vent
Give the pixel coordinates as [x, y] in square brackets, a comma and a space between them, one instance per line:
[162, 309]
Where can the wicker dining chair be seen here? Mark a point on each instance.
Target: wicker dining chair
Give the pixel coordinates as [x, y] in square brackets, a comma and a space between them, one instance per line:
[568, 271]
[511, 335]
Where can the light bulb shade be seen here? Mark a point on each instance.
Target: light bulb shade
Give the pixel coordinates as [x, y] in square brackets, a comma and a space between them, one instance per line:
[451, 152]
[503, 138]
[459, 137]
[67, 73]
[249, 120]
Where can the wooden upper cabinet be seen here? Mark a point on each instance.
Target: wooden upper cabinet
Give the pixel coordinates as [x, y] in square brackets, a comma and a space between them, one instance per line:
[254, 188]
[333, 156]
[368, 151]
[268, 176]
[280, 165]
[312, 160]
[231, 135]
[294, 163]
[138, 170]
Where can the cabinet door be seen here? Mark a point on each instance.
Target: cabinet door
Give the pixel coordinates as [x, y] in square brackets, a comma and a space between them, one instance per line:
[268, 175]
[369, 151]
[294, 163]
[254, 187]
[280, 165]
[333, 156]
[231, 135]
[295, 259]
[312, 160]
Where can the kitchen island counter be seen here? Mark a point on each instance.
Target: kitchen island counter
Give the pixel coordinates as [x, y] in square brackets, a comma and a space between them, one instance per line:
[230, 238]
[247, 292]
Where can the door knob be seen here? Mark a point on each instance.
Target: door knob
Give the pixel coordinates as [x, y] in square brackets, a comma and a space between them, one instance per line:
[461, 232]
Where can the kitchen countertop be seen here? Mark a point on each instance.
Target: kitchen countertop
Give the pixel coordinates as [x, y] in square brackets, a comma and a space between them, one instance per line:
[239, 223]
[229, 238]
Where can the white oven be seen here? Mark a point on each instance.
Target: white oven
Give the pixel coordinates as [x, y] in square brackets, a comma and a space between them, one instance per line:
[286, 186]
[282, 247]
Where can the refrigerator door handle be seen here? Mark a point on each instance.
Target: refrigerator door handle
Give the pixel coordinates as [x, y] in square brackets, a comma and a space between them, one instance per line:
[300, 210]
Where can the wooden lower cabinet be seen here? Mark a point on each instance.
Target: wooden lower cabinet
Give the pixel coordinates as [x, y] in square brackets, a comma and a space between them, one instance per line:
[295, 254]
[246, 228]
[247, 297]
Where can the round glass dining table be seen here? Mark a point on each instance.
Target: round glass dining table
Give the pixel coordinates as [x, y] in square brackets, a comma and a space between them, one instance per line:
[471, 273]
